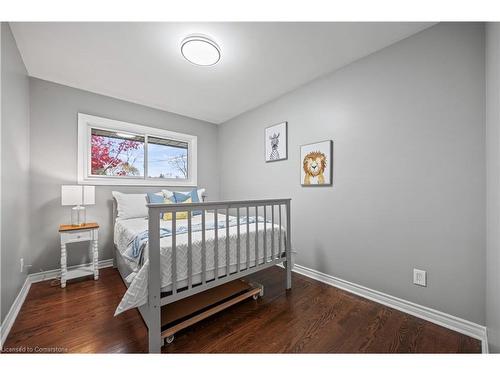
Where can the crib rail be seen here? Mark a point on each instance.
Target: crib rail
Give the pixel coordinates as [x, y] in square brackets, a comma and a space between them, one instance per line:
[275, 220]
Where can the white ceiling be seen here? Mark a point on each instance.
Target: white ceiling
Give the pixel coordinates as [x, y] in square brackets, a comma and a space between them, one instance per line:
[141, 62]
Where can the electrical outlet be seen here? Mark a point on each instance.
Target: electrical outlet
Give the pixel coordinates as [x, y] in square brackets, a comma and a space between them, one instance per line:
[21, 261]
[419, 277]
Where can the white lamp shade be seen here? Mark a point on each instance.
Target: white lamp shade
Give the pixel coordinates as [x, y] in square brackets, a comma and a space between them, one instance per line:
[88, 195]
[75, 195]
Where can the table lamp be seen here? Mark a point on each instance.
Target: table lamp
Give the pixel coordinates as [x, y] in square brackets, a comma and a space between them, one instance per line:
[77, 196]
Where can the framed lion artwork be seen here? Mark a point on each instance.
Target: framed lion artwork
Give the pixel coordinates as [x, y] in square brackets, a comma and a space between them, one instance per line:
[316, 164]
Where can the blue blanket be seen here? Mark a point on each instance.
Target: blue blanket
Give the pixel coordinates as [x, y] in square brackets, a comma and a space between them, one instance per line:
[134, 252]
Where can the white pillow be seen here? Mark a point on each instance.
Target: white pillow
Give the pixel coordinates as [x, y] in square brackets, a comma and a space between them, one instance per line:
[168, 193]
[201, 193]
[130, 205]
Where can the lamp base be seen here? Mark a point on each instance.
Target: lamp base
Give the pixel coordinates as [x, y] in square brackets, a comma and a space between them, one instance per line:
[78, 216]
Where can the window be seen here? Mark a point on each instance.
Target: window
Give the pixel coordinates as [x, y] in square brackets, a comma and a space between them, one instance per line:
[167, 158]
[117, 153]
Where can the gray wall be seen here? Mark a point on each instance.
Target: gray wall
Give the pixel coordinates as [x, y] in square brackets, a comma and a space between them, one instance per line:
[493, 185]
[15, 196]
[53, 145]
[409, 169]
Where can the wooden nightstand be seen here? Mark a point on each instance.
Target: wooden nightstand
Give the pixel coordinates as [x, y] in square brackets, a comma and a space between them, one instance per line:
[70, 234]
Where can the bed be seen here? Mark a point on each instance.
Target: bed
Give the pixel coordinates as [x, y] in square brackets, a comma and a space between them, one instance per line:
[164, 261]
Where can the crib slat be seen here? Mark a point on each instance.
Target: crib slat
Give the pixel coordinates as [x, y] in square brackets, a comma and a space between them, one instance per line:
[203, 248]
[238, 246]
[288, 247]
[248, 238]
[174, 253]
[265, 234]
[216, 244]
[279, 242]
[190, 254]
[227, 243]
[272, 232]
[256, 236]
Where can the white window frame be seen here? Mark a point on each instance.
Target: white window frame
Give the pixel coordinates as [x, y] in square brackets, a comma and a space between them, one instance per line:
[87, 122]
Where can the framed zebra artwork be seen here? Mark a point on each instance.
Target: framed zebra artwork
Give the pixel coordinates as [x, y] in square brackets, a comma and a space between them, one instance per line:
[276, 139]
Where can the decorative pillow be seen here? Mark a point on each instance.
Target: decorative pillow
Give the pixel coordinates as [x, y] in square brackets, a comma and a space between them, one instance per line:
[193, 194]
[156, 198]
[201, 193]
[179, 215]
[170, 194]
[130, 206]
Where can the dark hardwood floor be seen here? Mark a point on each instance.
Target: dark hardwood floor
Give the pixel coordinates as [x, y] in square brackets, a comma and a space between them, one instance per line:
[311, 318]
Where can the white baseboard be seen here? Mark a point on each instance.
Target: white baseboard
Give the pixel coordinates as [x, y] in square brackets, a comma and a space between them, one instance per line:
[14, 310]
[31, 279]
[446, 320]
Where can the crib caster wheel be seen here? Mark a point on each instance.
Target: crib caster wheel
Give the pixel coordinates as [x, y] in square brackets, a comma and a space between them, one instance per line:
[255, 297]
[169, 339]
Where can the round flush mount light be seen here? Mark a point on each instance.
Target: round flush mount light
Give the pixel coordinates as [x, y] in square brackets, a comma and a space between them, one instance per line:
[200, 50]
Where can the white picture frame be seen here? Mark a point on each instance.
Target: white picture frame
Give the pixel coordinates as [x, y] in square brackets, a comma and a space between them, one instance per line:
[316, 164]
[276, 142]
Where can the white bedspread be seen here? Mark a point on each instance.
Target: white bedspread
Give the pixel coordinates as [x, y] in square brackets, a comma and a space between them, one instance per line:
[126, 230]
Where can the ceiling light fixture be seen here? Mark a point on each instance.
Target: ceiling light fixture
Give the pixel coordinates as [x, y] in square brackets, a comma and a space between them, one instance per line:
[200, 50]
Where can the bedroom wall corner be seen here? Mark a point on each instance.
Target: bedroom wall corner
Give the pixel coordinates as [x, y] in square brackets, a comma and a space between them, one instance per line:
[493, 185]
[15, 218]
[1, 303]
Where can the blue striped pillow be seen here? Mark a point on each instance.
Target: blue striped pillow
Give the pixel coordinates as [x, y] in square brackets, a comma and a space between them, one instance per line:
[155, 198]
[182, 197]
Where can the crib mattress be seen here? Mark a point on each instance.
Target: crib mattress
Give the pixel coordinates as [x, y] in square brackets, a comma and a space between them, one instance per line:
[126, 230]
